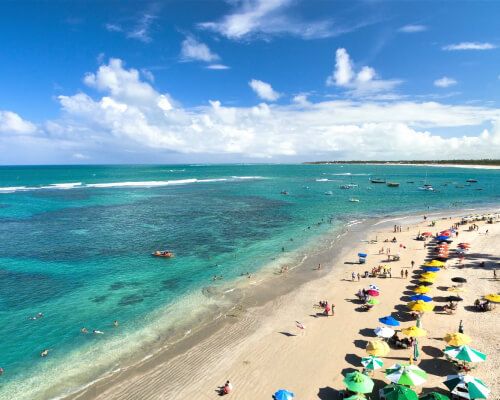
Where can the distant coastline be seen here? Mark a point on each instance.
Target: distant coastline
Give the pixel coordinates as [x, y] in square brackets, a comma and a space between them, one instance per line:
[478, 164]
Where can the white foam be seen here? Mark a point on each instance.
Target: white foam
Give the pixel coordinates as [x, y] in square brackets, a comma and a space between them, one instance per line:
[63, 186]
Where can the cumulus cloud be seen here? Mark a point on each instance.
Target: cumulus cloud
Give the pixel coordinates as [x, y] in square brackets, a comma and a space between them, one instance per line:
[193, 50]
[10, 122]
[269, 17]
[129, 115]
[264, 90]
[445, 82]
[413, 28]
[470, 46]
[363, 83]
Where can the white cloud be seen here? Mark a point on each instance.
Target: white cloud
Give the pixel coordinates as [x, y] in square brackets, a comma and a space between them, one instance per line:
[217, 66]
[80, 156]
[363, 83]
[268, 17]
[113, 27]
[10, 122]
[130, 115]
[445, 82]
[413, 28]
[470, 46]
[192, 50]
[142, 30]
[264, 90]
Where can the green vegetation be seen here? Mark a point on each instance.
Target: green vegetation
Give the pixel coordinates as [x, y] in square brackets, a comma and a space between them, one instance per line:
[457, 162]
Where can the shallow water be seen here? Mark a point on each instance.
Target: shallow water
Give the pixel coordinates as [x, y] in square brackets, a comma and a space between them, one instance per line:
[76, 245]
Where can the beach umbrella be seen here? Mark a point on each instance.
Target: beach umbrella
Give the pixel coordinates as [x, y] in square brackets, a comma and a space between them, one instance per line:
[443, 238]
[454, 298]
[374, 287]
[431, 275]
[389, 320]
[457, 339]
[420, 306]
[377, 348]
[372, 302]
[434, 263]
[465, 353]
[431, 269]
[455, 289]
[422, 297]
[434, 396]
[427, 279]
[421, 289]
[357, 396]
[475, 388]
[372, 292]
[398, 392]
[459, 279]
[414, 331]
[372, 362]
[406, 374]
[495, 298]
[427, 234]
[283, 394]
[363, 255]
[358, 383]
[384, 331]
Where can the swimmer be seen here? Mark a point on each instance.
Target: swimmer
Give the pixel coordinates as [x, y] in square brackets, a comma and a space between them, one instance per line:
[116, 324]
[96, 332]
[84, 330]
[1, 370]
[44, 353]
[39, 315]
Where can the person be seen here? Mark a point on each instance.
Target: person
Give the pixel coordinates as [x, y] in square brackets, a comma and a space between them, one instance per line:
[406, 274]
[494, 273]
[116, 324]
[333, 309]
[97, 332]
[84, 330]
[327, 309]
[402, 274]
[44, 353]
[412, 264]
[1, 371]
[227, 388]
[359, 277]
[353, 276]
[461, 327]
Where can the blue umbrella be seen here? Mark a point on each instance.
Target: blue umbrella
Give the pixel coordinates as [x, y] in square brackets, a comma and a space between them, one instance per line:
[444, 239]
[422, 297]
[389, 320]
[431, 269]
[362, 255]
[283, 394]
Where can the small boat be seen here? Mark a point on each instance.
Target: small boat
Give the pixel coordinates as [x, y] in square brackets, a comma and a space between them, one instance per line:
[393, 184]
[426, 187]
[410, 181]
[163, 253]
[348, 186]
[353, 200]
[471, 180]
[329, 193]
[284, 192]
[377, 180]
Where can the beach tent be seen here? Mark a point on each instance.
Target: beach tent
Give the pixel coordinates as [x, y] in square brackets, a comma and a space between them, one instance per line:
[475, 388]
[406, 374]
[389, 320]
[397, 392]
[384, 331]
[464, 353]
[414, 331]
[283, 394]
[457, 339]
[358, 383]
[372, 362]
[421, 297]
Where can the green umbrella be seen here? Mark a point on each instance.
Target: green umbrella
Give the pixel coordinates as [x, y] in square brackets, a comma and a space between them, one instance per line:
[434, 396]
[357, 396]
[464, 353]
[398, 392]
[358, 383]
[406, 374]
[372, 362]
[475, 388]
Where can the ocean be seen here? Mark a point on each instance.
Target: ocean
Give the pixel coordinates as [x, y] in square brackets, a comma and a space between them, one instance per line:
[76, 244]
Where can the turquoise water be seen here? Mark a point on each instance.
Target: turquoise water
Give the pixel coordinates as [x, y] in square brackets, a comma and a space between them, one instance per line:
[76, 243]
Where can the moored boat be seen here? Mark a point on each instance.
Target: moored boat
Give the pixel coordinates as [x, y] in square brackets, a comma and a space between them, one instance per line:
[163, 253]
[377, 180]
[393, 184]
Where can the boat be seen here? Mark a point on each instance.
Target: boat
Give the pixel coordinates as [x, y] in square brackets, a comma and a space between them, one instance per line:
[427, 187]
[393, 184]
[410, 181]
[348, 186]
[353, 200]
[377, 180]
[284, 192]
[329, 193]
[471, 180]
[163, 253]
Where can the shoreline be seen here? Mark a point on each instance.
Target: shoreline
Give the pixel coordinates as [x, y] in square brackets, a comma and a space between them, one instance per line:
[243, 324]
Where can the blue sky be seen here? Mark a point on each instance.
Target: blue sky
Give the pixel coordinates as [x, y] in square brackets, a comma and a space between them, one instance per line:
[253, 80]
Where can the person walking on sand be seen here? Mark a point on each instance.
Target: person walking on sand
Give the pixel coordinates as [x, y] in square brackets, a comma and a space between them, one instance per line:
[402, 274]
[333, 309]
[412, 264]
[353, 276]
[406, 274]
[359, 277]
[461, 327]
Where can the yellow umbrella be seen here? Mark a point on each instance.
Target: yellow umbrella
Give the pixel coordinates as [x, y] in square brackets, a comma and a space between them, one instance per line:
[377, 348]
[421, 289]
[414, 331]
[434, 263]
[420, 306]
[428, 275]
[455, 289]
[429, 280]
[495, 298]
[457, 339]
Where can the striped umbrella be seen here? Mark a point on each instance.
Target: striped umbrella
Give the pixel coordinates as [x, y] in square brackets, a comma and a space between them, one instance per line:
[397, 392]
[465, 353]
[372, 362]
[358, 383]
[475, 388]
[406, 374]
[434, 396]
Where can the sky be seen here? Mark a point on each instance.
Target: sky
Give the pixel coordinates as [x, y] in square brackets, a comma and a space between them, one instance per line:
[181, 81]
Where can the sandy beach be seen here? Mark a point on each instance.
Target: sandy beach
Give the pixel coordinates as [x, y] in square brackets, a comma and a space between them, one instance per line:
[262, 350]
